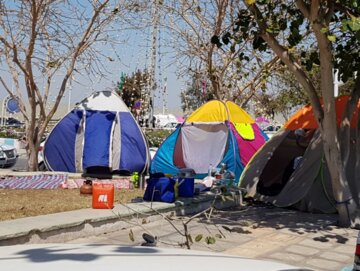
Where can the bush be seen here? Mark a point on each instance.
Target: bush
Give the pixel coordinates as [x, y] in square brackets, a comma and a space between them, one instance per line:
[9, 133]
[157, 136]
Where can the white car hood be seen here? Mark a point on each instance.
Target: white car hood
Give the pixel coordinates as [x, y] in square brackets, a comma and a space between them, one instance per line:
[89, 257]
[6, 148]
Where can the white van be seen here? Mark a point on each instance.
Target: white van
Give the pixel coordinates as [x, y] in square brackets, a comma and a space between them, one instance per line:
[163, 121]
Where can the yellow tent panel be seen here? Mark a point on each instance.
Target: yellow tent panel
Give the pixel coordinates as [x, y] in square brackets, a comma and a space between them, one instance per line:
[218, 111]
[237, 114]
[245, 130]
[213, 111]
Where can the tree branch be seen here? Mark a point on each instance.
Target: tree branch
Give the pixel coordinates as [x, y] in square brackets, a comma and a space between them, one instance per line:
[304, 8]
[78, 50]
[293, 66]
[314, 10]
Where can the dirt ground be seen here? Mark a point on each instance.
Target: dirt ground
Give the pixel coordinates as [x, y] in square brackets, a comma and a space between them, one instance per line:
[23, 203]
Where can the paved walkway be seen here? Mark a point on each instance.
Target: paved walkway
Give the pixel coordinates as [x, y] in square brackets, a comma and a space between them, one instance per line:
[307, 240]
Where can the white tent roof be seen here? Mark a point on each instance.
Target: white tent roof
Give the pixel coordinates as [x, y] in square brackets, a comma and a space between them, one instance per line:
[103, 101]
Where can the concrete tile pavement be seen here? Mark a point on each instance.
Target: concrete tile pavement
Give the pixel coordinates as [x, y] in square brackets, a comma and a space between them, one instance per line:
[310, 241]
[307, 240]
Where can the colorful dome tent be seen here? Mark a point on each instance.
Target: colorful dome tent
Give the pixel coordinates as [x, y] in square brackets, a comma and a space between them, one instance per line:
[290, 169]
[217, 132]
[99, 133]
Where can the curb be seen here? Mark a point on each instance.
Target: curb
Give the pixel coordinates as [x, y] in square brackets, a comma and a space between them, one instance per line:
[66, 226]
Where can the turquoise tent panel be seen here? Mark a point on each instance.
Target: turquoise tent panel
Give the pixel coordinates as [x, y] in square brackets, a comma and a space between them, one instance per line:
[232, 157]
[163, 160]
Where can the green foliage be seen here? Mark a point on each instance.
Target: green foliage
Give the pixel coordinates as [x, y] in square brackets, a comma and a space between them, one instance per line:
[156, 137]
[129, 87]
[198, 238]
[292, 95]
[135, 179]
[131, 236]
[9, 133]
[215, 40]
[209, 240]
[120, 84]
[343, 31]
[347, 87]
[353, 24]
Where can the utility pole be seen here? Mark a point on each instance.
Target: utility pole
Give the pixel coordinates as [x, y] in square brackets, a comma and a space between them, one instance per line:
[152, 71]
[336, 83]
[165, 96]
[2, 123]
[69, 103]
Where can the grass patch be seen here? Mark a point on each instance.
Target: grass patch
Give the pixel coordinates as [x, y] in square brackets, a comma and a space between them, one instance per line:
[24, 203]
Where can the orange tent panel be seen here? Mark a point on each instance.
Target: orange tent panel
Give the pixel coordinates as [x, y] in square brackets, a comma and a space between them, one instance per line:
[305, 117]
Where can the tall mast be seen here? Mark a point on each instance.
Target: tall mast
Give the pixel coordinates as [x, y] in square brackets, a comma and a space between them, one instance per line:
[152, 69]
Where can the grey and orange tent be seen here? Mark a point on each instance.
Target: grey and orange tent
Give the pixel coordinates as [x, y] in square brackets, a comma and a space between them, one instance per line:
[288, 172]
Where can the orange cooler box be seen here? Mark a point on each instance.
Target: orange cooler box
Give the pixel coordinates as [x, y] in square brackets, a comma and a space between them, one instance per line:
[103, 196]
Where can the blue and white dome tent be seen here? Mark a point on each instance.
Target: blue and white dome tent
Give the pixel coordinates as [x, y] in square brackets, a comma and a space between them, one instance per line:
[100, 132]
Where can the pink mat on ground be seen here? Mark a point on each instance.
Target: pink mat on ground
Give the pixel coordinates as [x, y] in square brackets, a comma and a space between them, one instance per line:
[119, 183]
[41, 181]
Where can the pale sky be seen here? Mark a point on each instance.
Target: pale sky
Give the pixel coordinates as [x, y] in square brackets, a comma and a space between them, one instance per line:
[126, 57]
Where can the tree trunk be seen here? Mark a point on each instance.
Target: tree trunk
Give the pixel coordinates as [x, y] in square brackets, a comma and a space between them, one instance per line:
[214, 79]
[32, 156]
[344, 203]
[330, 131]
[33, 144]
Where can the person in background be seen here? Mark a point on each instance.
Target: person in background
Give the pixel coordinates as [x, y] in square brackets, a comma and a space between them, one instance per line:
[303, 137]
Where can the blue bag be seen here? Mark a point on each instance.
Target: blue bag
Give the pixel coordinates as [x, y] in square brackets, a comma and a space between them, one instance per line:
[160, 189]
[186, 187]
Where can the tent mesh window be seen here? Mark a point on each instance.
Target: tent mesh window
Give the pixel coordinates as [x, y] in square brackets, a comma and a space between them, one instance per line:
[207, 143]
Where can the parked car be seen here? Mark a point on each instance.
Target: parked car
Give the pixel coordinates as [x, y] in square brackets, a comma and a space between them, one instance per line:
[8, 156]
[271, 128]
[170, 126]
[153, 151]
[41, 162]
[12, 122]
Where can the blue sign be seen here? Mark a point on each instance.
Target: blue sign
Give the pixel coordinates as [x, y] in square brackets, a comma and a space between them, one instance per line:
[12, 105]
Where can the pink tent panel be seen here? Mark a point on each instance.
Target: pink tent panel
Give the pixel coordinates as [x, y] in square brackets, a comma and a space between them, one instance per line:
[180, 119]
[248, 148]
[261, 120]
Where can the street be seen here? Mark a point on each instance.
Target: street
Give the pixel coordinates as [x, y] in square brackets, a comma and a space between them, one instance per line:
[21, 162]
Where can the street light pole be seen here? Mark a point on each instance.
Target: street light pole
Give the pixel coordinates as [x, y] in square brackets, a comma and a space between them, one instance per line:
[2, 112]
[69, 103]
[336, 83]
